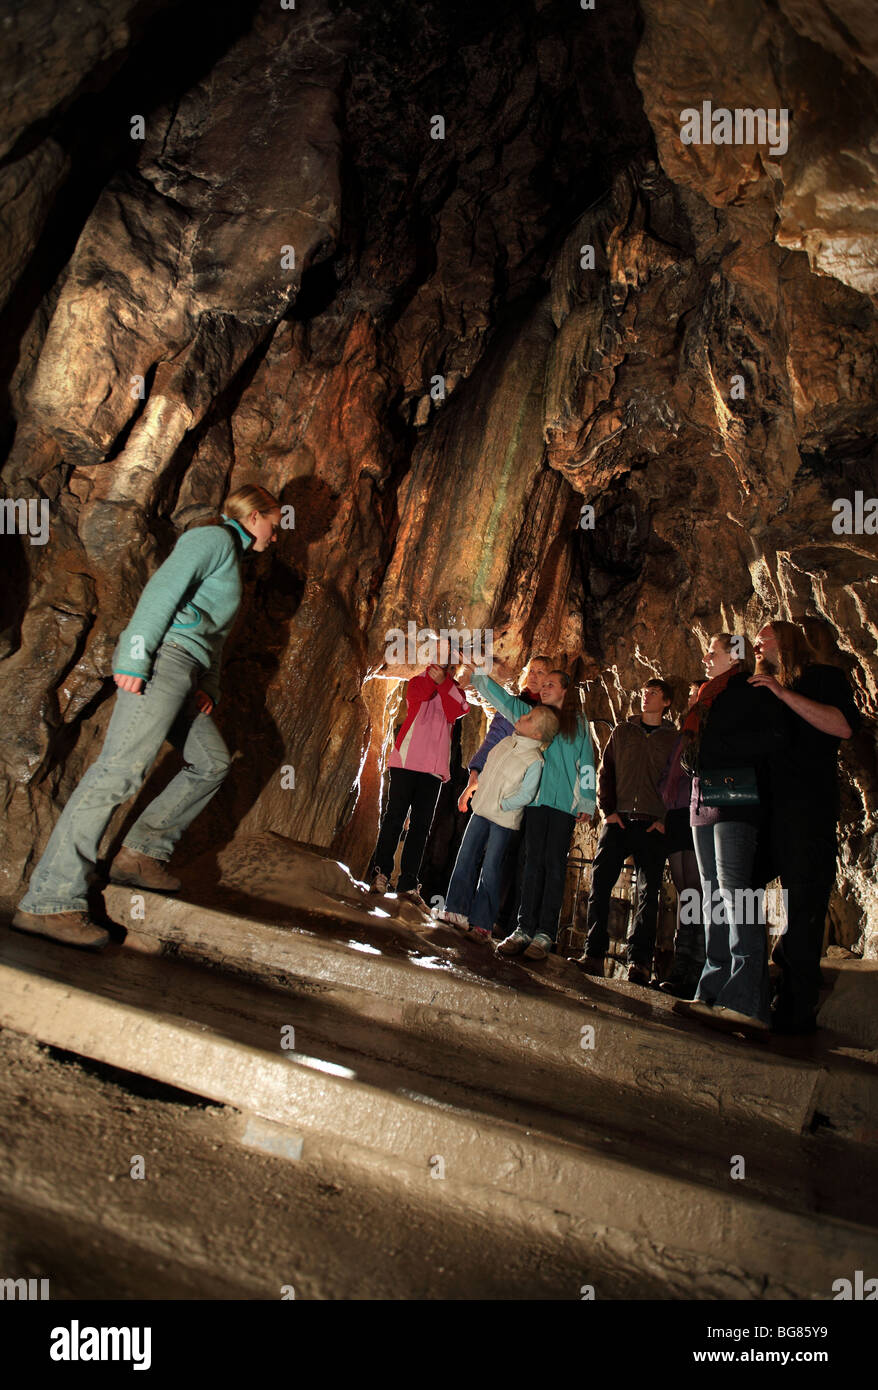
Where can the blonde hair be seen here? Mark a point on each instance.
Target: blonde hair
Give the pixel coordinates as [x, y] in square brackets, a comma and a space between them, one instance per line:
[240, 504]
[526, 671]
[549, 723]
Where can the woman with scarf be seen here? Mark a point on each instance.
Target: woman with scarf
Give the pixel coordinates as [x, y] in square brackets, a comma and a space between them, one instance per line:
[730, 739]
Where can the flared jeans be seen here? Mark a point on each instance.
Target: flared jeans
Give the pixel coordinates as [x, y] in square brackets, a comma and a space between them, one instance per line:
[139, 725]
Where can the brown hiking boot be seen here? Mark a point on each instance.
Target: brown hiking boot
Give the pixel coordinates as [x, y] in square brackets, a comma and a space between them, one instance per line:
[412, 895]
[141, 871]
[591, 965]
[71, 928]
[638, 975]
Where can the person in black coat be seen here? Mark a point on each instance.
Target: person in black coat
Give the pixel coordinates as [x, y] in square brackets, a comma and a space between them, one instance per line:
[816, 699]
[733, 734]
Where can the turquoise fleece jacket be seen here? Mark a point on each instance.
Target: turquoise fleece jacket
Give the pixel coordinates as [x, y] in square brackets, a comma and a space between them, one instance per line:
[568, 780]
[192, 599]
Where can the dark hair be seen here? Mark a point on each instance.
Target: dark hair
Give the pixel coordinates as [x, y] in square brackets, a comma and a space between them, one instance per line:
[546, 660]
[731, 640]
[821, 638]
[700, 681]
[664, 686]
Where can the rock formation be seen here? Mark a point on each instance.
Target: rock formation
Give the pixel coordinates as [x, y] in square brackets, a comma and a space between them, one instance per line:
[440, 352]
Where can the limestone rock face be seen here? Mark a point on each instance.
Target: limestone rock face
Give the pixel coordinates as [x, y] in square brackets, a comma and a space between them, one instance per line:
[51, 51]
[516, 356]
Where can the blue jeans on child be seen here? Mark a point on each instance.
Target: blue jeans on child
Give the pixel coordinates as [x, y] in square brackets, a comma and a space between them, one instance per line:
[139, 726]
[477, 895]
[735, 973]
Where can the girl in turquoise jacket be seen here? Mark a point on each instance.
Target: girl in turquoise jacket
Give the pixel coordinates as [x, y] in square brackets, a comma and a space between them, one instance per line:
[566, 795]
[166, 666]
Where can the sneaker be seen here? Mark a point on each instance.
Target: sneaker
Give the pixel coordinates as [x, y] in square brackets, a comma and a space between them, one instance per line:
[540, 947]
[379, 884]
[591, 965]
[514, 944]
[411, 895]
[71, 928]
[638, 975]
[142, 871]
[479, 934]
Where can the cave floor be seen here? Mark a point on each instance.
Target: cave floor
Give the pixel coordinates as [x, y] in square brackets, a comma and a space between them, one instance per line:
[413, 1049]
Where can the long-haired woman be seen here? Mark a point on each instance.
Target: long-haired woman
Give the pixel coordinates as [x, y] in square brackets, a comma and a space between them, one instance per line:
[814, 695]
[166, 666]
[566, 795]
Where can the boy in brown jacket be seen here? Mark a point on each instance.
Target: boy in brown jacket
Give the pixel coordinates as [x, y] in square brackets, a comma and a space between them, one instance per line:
[628, 796]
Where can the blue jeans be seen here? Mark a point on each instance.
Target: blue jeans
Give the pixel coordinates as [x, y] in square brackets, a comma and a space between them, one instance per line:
[477, 895]
[735, 974]
[139, 726]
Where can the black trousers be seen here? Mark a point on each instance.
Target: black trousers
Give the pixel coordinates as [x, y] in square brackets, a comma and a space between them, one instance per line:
[805, 849]
[415, 792]
[510, 893]
[648, 850]
[547, 836]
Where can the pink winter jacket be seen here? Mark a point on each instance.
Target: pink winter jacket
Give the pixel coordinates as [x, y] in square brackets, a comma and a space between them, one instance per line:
[423, 743]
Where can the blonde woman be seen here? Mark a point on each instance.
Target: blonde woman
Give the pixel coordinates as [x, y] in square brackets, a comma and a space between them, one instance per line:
[166, 666]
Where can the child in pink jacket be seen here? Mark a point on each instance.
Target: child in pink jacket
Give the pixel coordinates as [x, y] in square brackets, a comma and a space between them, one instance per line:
[419, 764]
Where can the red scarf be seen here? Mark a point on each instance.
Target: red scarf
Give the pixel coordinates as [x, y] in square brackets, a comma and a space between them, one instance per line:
[706, 695]
[692, 726]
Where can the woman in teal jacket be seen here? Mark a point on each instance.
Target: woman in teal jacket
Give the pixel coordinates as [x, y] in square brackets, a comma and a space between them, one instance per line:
[566, 795]
[171, 647]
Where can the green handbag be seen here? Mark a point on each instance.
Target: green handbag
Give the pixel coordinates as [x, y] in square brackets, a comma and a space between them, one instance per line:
[729, 786]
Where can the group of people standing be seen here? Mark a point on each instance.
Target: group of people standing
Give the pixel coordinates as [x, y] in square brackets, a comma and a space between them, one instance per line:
[745, 790]
[536, 764]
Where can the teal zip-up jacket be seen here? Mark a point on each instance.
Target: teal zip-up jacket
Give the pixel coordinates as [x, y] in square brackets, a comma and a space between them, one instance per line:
[568, 780]
[192, 599]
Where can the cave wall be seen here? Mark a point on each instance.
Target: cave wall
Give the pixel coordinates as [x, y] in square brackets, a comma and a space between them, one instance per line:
[161, 261]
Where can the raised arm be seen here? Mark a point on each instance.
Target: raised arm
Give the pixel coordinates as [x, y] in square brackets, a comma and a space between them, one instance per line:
[509, 705]
[454, 702]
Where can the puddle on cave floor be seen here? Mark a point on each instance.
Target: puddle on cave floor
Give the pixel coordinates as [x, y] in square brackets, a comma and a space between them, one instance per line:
[434, 949]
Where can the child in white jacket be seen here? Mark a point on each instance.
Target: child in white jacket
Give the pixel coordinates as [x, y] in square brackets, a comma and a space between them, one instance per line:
[509, 781]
